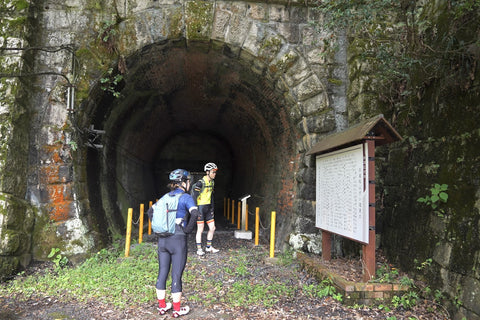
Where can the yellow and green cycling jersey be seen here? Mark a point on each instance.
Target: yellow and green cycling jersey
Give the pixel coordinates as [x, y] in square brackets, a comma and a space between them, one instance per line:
[204, 189]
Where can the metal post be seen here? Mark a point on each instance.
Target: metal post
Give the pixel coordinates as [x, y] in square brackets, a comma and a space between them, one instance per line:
[140, 227]
[272, 234]
[149, 221]
[246, 217]
[257, 224]
[129, 232]
[239, 217]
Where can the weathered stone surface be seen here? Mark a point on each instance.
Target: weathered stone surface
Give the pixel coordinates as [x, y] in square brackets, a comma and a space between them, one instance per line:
[307, 207]
[221, 21]
[8, 266]
[315, 105]
[306, 192]
[471, 295]
[442, 254]
[321, 123]
[306, 242]
[307, 142]
[298, 73]
[279, 13]
[289, 31]
[308, 88]
[257, 11]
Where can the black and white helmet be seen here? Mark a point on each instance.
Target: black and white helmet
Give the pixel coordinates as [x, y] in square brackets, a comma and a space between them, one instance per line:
[179, 175]
[210, 166]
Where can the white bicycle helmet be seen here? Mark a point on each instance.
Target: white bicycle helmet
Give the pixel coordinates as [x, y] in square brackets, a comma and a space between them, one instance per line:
[210, 166]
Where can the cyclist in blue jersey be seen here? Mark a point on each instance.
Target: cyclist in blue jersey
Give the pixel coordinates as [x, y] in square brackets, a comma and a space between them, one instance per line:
[172, 250]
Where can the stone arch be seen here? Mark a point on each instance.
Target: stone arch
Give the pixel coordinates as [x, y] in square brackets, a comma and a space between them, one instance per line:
[251, 75]
[214, 107]
[252, 46]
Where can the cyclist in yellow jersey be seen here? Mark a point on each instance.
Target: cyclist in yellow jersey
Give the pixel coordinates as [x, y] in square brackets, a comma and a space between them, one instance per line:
[203, 194]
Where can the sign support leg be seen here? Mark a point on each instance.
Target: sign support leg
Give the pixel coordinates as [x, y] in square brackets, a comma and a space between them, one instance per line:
[326, 245]
[369, 249]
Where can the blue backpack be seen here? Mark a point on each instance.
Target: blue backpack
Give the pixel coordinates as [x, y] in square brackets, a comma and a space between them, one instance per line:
[165, 214]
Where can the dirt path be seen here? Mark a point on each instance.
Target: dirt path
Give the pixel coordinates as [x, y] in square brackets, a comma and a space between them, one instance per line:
[210, 304]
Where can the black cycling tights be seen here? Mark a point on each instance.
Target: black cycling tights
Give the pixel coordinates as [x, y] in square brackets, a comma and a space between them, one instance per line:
[171, 251]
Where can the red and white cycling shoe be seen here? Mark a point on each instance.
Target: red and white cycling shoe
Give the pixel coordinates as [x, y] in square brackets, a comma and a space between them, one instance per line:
[168, 306]
[183, 311]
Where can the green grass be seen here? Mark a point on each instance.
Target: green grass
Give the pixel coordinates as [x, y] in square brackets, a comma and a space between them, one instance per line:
[106, 277]
[110, 278]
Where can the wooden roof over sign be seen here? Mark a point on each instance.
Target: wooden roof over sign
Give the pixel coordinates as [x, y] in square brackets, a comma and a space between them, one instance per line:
[376, 128]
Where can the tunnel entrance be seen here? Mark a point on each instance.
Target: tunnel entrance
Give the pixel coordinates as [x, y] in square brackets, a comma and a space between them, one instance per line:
[181, 107]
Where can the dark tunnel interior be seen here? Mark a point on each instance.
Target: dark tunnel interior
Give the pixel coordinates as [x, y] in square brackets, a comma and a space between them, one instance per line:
[181, 107]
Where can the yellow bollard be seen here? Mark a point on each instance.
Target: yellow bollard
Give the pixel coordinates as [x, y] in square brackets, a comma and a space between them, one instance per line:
[246, 217]
[239, 214]
[233, 211]
[129, 232]
[149, 222]
[257, 224]
[140, 227]
[272, 235]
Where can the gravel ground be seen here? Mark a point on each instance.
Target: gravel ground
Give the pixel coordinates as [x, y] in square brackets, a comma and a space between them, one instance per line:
[211, 305]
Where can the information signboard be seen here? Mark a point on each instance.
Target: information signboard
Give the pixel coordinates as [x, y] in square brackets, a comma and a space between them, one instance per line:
[342, 192]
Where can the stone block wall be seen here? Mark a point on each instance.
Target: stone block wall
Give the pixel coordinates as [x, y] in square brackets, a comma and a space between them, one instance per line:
[17, 216]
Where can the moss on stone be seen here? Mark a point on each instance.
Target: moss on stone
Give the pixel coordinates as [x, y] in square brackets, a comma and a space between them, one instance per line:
[270, 48]
[8, 266]
[45, 237]
[336, 82]
[176, 23]
[198, 20]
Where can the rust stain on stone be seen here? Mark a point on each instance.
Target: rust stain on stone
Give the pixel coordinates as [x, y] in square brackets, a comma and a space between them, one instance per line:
[59, 211]
[60, 203]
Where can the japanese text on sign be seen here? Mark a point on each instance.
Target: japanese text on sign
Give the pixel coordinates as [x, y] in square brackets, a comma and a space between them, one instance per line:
[342, 192]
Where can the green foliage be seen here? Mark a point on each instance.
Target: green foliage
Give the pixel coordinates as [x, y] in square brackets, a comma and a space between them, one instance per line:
[21, 4]
[406, 281]
[386, 274]
[461, 8]
[351, 14]
[286, 257]
[322, 290]
[404, 46]
[57, 258]
[73, 145]
[438, 195]
[110, 81]
[407, 300]
[384, 308]
[98, 278]
[107, 31]
[243, 293]
[424, 264]
[456, 300]
[438, 296]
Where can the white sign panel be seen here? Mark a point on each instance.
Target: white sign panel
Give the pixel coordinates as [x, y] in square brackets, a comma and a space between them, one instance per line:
[342, 192]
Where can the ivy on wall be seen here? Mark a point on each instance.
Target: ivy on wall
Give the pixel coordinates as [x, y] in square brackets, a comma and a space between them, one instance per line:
[408, 45]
